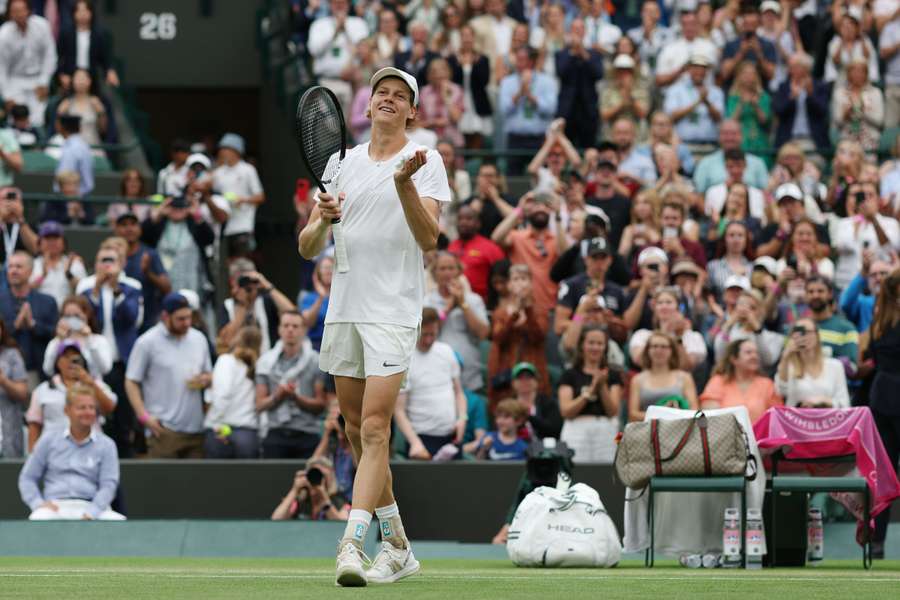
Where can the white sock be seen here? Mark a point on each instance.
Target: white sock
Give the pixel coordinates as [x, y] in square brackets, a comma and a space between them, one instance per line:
[357, 527]
[391, 525]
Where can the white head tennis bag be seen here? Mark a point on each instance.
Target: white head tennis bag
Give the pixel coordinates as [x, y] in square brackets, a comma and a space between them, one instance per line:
[563, 528]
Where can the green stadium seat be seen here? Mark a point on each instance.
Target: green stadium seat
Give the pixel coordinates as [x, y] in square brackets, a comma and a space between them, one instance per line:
[695, 484]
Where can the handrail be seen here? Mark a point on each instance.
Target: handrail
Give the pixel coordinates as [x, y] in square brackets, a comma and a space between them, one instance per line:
[42, 197]
[106, 147]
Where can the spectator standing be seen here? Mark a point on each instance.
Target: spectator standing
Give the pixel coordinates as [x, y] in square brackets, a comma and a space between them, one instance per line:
[83, 102]
[849, 45]
[78, 324]
[231, 420]
[13, 395]
[441, 103]
[28, 59]
[173, 177]
[590, 397]
[181, 236]
[143, 264]
[332, 41]
[494, 29]
[626, 97]
[737, 381]
[750, 105]
[750, 47]
[28, 314]
[651, 36]
[476, 252]
[85, 46]
[801, 105]
[76, 154]
[17, 233]
[46, 411]
[863, 229]
[691, 348]
[78, 466]
[518, 332]
[168, 369]
[416, 59]
[431, 409]
[238, 181]
[528, 100]
[608, 197]
[695, 106]
[56, 272]
[290, 389]
[673, 57]
[883, 396]
[806, 378]
[472, 72]
[464, 318]
[579, 68]
[858, 108]
[535, 246]
[711, 169]
[716, 196]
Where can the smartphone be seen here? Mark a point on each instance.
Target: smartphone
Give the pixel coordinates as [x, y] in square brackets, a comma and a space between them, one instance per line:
[860, 197]
[792, 262]
[670, 232]
[799, 329]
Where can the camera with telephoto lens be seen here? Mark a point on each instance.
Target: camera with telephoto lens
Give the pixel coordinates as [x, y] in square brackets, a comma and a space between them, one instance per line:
[245, 281]
[314, 476]
[179, 202]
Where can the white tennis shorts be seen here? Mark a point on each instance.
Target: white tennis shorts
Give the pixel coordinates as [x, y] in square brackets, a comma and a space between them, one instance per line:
[363, 350]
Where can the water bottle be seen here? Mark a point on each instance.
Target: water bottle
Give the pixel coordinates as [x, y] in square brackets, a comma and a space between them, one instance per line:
[691, 561]
[815, 537]
[711, 561]
[755, 541]
[731, 538]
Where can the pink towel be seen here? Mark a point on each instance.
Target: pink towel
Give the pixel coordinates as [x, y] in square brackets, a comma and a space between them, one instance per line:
[824, 432]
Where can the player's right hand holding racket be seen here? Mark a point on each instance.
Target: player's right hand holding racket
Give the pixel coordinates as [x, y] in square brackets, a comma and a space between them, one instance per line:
[329, 206]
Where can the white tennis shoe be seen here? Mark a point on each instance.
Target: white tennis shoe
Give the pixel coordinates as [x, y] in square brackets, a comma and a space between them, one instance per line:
[392, 564]
[351, 570]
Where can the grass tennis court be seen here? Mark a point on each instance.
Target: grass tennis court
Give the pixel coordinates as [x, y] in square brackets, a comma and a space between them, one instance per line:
[102, 578]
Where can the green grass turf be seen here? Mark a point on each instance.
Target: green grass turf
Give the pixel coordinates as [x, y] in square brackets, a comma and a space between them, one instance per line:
[169, 579]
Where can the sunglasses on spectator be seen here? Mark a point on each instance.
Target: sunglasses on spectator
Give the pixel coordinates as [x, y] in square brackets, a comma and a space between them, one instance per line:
[107, 260]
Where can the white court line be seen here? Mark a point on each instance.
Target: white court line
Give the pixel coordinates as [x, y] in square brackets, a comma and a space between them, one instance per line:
[568, 576]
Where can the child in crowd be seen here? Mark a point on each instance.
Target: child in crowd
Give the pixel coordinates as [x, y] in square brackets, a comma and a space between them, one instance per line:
[504, 443]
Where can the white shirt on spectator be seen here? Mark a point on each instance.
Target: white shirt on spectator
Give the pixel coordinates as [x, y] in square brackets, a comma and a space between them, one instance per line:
[48, 403]
[598, 32]
[331, 55]
[677, 53]
[27, 60]
[831, 383]
[849, 242]
[232, 397]
[171, 180]
[716, 195]
[693, 343]
[847, 56]
[431, 395]
[54, 282]
[242, 180]
[697, 126]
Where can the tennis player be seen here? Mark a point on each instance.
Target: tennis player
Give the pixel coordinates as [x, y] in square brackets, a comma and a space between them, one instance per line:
[387, 195]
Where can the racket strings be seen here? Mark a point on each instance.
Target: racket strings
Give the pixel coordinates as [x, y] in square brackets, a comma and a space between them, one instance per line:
[321, 134]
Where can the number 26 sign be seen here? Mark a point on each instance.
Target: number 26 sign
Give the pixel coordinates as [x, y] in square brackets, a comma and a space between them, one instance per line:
[161, 26]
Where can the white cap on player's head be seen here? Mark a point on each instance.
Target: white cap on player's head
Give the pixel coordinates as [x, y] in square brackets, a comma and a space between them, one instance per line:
[392, 72]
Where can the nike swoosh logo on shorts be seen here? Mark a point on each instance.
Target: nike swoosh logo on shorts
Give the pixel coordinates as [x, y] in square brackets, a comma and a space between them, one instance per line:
[385, 364]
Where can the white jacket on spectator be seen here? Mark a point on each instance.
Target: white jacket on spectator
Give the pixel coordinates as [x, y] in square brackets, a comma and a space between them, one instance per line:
[331, 55]
[96, 350]
[851, 235]
[232, 397]
[831, 383]
[27, 61]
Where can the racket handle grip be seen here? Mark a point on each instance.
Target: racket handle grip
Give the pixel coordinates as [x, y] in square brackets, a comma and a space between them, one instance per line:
[340, 246]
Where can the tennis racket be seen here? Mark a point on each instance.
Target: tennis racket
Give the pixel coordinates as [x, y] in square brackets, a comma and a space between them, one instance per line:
[322, 136]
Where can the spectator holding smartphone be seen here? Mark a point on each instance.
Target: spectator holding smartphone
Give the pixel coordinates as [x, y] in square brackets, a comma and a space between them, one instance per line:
[78, 323]
[805, 377]
[863, 229]
[47, 413]
[17, 233]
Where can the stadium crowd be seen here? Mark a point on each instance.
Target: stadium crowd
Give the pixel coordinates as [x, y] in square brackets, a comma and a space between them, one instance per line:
[695, 204]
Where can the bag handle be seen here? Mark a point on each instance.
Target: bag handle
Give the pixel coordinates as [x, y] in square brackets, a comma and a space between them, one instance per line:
[698, 419]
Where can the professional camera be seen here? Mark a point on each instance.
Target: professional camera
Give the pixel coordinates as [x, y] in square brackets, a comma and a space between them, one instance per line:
[314, 476]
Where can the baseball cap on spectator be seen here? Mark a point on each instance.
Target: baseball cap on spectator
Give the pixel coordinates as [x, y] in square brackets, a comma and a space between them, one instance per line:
[192, 298]
[233, 141]
[736, 281]
[685, 266]
[597, 216]
[127, 216]
[770, 5]
[66, 345]
[408, 79]
[788, 190]
[199, 158]
[174, 301]
[598, 246]
[50, 228]
[768, 263]
[623, 61]
[524, 367]
[699, 59]
[651, 253]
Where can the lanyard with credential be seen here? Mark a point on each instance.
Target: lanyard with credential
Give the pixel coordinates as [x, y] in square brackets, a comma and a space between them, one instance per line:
[9, 241]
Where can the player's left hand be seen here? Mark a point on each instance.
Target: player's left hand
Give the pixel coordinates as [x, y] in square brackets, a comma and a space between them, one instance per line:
[408, 167]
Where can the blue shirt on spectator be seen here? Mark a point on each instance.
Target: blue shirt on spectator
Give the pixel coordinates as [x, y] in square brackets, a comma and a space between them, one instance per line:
[503, 451]
[76, 156]
[32, 342]
[697, 126]
[734, 46]
[152, 295]
[87, 470]
[710, 171]
[858, 304]
[524, 118]
[315, 332]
